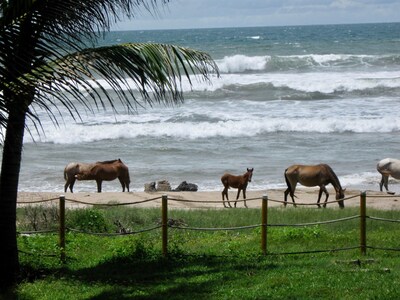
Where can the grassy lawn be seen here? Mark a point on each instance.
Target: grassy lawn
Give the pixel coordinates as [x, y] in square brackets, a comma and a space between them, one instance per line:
[222, 264]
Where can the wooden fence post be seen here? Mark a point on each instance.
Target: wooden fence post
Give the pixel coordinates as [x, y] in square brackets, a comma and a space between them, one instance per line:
[363, 223]
[62, 229]
[264, 222]
[164, 222]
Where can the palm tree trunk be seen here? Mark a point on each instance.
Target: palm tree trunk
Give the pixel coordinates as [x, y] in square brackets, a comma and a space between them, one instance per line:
[11, 164]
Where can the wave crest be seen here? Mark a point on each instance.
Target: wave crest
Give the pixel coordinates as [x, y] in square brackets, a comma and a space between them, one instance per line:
[244, 63]
[81, 133]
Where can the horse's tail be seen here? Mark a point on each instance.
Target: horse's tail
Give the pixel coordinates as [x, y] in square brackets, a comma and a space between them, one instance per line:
[289, 185]
[287, 181]
[68, 169]
[65, 173]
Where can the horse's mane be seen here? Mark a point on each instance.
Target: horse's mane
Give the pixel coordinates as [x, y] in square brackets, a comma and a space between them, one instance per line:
[334, 177]
[108, 161]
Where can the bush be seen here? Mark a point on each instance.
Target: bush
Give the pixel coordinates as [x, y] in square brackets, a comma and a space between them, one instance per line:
[91, 220]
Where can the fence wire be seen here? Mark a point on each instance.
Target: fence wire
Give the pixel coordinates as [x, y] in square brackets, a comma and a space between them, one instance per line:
[216, 229]
[36, 232]
[312, 204]
[38, 201]
[37, 254]
[383, 248]
[113, 234]
[315, 223]
[383, 219]
[314, 251]
[111, 204]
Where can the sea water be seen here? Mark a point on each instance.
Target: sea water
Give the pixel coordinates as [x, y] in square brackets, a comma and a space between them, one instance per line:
[285, 95]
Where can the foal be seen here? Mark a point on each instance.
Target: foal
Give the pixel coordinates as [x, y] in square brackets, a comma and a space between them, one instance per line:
[239, 182]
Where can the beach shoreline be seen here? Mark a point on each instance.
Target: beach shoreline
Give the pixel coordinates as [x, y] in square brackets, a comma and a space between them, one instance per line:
[306, 197]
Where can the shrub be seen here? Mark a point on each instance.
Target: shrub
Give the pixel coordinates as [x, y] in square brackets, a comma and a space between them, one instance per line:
[91, 220]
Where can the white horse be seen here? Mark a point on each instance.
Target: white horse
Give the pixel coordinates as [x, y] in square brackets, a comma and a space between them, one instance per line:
[388, 167]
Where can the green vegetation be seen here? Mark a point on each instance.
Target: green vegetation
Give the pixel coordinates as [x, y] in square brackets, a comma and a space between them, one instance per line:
[222, 264]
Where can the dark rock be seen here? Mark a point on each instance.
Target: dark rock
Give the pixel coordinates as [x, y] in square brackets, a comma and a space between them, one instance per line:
[186, 187]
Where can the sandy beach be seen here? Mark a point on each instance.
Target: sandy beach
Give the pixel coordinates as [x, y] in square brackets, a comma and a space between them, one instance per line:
[212, 199]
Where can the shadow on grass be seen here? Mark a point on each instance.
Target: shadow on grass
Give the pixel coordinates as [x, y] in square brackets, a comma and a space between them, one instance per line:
[175, 277]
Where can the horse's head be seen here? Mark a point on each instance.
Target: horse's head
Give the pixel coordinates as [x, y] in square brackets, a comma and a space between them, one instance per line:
[340, 195]
[249, 174]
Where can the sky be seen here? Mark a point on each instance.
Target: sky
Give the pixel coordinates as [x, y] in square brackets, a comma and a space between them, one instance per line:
[182, 14]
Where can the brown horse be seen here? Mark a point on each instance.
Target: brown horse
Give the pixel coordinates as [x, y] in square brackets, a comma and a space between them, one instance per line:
[239, 182]
[318, 175]
[99, 171]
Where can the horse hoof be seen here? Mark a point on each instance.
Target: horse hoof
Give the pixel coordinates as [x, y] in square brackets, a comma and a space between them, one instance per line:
[391, 193]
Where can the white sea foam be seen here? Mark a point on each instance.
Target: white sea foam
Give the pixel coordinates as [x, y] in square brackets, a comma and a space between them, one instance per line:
[241, 63]
[323, 82]
[83, 133]
[243, 70]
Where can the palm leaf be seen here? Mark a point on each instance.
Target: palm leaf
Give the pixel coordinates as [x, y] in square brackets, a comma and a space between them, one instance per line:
[156, 71]
[63, 65]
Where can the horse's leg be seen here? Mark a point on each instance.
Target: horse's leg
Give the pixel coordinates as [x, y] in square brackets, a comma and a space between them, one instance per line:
[327, 195]
[286, 194]
[237, 196]
[319, 196]
[290, 191]
[244, 197]
[381, 183]
[386, 182]
[67, 184]
[292, 196]
[122, 184]
[225, 193]
[71, 184]
[98, 181]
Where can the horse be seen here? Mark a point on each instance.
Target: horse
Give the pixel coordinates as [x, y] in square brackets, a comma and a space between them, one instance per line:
[388, 167]
[318, 175]
[99, 171]
[240, 182]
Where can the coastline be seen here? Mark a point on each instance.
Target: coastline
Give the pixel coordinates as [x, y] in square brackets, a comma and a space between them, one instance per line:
[212, 199]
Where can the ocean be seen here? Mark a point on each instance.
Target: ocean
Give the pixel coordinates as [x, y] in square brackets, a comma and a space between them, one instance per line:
[286, 95]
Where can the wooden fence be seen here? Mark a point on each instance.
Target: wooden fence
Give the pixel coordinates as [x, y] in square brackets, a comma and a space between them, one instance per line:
[264, 225]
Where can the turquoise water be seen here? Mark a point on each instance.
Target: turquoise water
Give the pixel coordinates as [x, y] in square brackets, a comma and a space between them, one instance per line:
[296, 94]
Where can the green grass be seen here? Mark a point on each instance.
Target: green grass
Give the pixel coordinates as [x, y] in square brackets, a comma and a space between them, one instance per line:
[213, 264]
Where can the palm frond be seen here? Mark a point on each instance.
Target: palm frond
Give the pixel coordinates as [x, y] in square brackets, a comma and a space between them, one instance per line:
[61, 68]
[154, 71]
